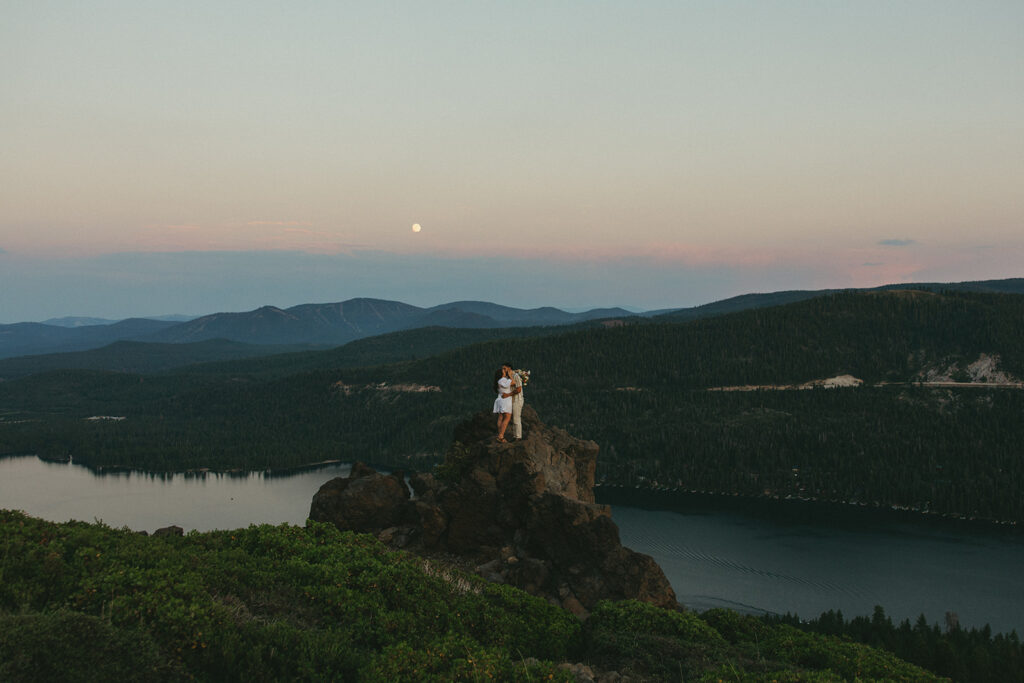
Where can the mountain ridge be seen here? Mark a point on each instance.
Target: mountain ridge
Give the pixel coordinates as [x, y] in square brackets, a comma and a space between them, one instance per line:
[335, 324]
[325, 324]
[765, 299]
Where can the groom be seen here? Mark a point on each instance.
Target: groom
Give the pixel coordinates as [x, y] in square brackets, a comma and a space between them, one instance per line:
[517, 401]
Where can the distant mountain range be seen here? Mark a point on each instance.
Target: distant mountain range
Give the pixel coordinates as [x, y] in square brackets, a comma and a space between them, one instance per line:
[79, 321]
[335, 324]
[324, 325]
[24, 339]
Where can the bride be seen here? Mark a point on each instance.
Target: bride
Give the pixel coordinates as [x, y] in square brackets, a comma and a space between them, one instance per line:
[503, 404]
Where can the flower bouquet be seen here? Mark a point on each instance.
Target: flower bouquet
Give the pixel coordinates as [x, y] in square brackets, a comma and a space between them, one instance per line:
[524, 376]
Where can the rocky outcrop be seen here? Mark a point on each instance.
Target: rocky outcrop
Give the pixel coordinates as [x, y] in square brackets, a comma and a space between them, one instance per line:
[363, 501]
[522, 513]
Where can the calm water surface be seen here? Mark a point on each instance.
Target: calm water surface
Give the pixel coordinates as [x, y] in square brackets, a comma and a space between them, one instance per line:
[755, 559]
[145, 502]
[769, 562]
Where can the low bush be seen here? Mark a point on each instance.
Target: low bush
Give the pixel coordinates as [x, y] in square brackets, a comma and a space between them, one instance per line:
[87, 602]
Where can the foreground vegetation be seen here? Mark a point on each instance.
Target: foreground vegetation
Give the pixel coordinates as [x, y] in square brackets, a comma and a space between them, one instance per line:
[967, 655]
[642, 391]
[86, 602]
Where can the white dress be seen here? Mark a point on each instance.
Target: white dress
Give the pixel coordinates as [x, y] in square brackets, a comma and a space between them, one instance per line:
[503, 405]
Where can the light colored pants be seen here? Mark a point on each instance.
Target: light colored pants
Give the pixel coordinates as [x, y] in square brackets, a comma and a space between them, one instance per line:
[517, 416]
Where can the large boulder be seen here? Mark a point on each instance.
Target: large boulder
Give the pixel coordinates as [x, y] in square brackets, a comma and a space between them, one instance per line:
[522, 512]
[364, 501]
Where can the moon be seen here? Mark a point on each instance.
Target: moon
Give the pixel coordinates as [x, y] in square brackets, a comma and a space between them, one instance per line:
[416, 227]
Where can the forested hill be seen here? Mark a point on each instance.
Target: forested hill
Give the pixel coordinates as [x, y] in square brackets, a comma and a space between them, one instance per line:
[138, 357]
[642, 390]
[764, 300]
[223, 357]
[890, 336]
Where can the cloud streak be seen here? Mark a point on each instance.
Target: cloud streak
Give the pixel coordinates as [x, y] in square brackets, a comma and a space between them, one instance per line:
[896, 243]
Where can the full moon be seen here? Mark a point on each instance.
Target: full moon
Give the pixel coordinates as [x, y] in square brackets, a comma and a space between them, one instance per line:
[416, 227]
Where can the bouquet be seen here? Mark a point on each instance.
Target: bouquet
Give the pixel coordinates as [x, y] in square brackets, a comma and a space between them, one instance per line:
[524, 376]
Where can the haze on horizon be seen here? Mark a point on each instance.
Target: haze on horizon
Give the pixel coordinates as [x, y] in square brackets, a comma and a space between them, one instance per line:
[192, 157]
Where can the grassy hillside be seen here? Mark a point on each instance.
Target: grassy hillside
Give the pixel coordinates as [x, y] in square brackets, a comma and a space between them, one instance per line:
[86, 602]
[640, 390]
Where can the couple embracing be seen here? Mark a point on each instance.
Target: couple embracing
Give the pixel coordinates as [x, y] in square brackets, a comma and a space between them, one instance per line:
[509, 405]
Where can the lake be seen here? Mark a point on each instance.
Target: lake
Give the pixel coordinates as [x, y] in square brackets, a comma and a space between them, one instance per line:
[751, 556]
[778, 557]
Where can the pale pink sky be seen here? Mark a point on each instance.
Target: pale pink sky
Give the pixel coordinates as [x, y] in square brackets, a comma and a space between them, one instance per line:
[698, 150]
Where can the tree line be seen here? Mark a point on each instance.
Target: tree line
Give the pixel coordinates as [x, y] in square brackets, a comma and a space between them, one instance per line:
[641, 390]
[967, 655]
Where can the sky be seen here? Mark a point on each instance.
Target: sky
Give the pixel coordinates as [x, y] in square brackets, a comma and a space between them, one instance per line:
[195, 157]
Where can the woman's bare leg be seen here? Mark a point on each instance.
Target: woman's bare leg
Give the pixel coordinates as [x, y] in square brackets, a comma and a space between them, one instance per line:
[503, 420]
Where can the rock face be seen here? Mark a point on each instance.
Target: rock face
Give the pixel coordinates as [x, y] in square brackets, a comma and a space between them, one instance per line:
[363, 501]
[523, 513]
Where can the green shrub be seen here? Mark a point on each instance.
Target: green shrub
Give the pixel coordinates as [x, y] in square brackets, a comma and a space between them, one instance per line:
[70, 646]
[87, 602]
[269, 602]
[732, 674]
[733, 626]
[633, 616]
[791, 648]
[651, 641]
[523, 623]
[457, 462]
[456, 659]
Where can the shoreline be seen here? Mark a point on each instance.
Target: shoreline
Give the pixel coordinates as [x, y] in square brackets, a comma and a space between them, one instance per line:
[668, 499]
[809, 509]
[102, 470]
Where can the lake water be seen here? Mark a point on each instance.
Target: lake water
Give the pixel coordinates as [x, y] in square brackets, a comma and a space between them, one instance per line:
[146, 502]
[806, 559]
[753, 557]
